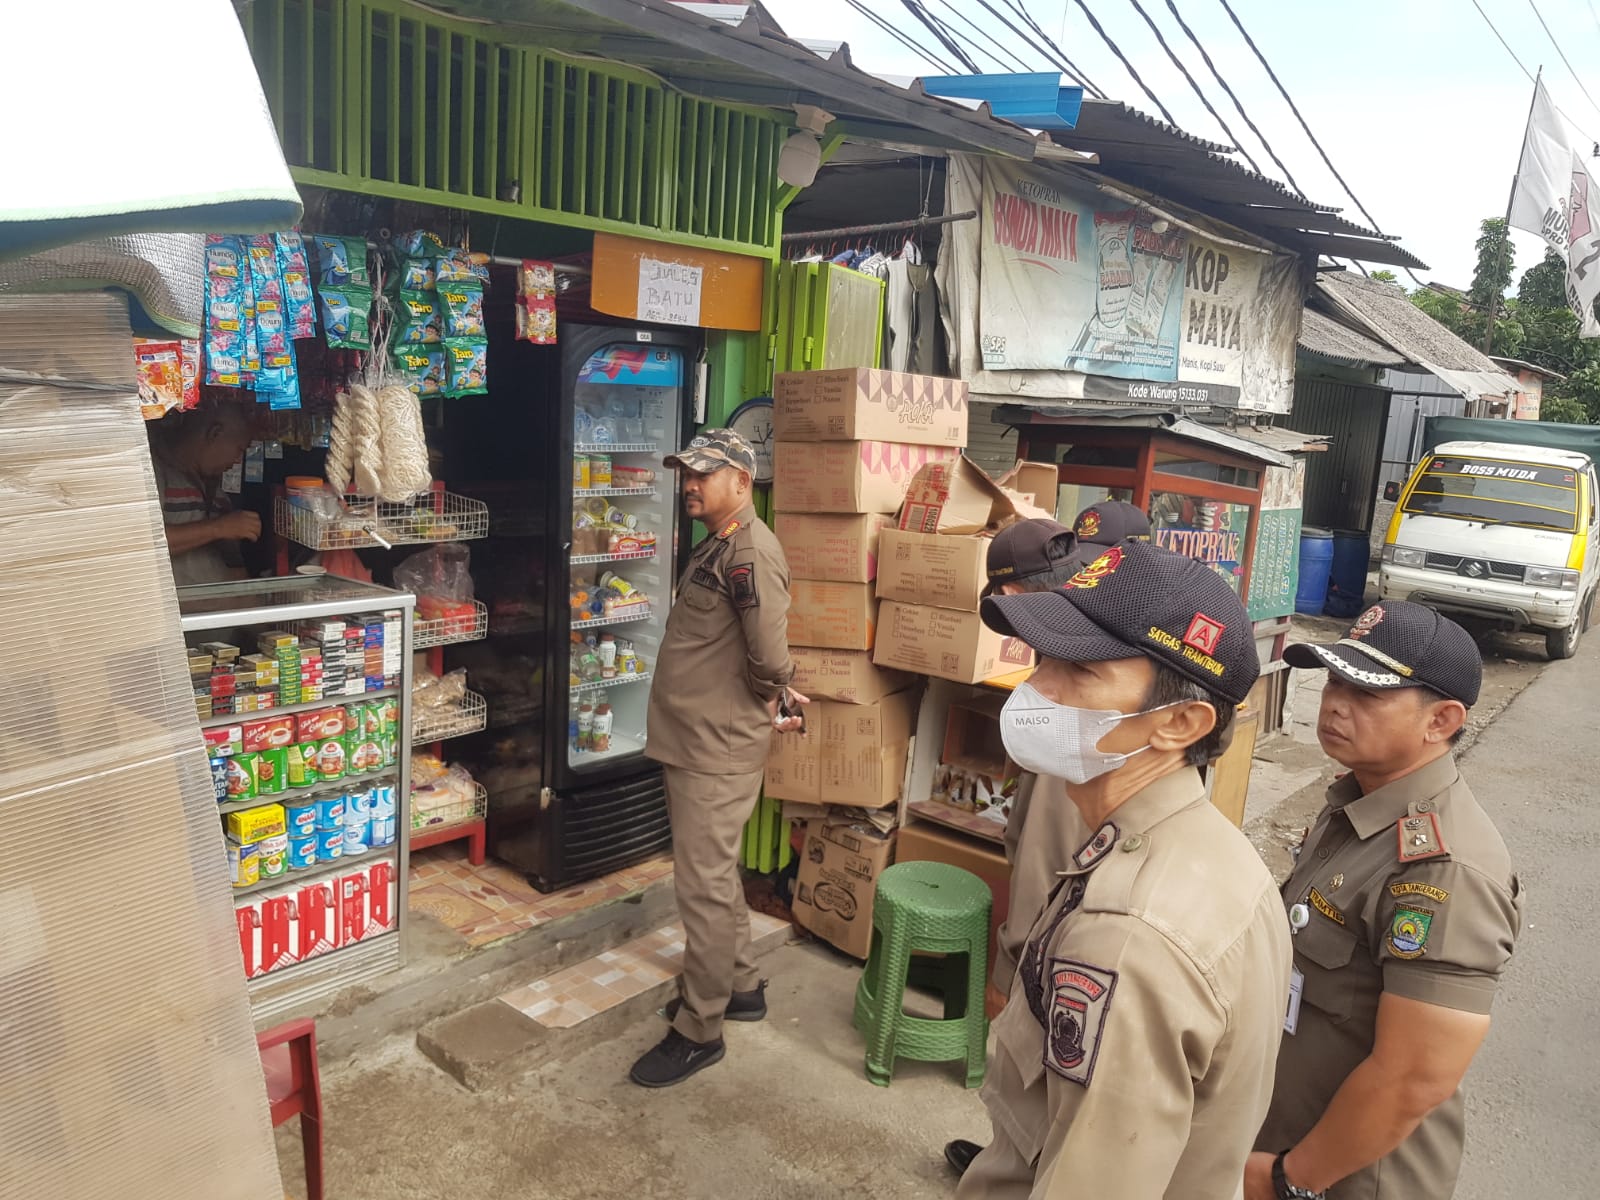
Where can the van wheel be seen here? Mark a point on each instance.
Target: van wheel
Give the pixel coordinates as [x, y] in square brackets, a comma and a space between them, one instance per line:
[1563, 643]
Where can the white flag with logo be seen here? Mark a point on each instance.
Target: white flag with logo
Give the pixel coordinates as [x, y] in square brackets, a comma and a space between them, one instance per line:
[1553, 197]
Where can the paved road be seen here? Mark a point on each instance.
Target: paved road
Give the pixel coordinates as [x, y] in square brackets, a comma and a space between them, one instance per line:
[1534, 1093]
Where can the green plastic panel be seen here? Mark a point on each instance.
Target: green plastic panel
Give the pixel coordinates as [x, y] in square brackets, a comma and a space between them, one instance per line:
[381, 97]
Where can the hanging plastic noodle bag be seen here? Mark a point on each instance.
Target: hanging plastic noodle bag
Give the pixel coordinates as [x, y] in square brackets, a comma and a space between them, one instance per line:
[463, 309]
[422, 368]
[536, 302]
[467, 361]
[299, 305]
[417, 319]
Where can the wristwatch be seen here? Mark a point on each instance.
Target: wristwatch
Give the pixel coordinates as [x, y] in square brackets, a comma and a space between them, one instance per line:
[1285, 1190]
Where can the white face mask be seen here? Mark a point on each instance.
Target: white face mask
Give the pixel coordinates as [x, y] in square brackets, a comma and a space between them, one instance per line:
[1056, 739]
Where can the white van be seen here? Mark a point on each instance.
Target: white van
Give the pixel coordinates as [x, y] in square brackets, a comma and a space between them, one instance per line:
[1500, 532]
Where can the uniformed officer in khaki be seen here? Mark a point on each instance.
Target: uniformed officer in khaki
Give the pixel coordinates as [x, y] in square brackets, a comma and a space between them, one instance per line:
[721, 672]
[1406, 910]
[1135, 1058]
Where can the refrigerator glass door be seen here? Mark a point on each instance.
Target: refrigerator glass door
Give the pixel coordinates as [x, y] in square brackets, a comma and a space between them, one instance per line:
[627, 406]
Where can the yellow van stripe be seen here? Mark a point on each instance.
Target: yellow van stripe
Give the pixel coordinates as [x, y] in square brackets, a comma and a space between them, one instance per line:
[1580, 540]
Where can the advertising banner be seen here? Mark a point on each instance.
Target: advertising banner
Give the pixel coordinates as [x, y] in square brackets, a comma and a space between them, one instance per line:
[1147, 311]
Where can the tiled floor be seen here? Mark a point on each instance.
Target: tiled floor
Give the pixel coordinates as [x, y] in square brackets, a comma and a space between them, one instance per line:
[487, 903]
[580, 991]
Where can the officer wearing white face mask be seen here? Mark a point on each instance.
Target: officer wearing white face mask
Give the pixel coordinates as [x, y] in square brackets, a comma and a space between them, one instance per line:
[1136, 1057]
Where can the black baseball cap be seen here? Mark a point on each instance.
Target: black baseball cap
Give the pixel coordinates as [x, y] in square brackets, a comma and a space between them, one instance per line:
[1134, 599]
[712, 450]
[1106, 524]
[1021, 550]
[1401, 644]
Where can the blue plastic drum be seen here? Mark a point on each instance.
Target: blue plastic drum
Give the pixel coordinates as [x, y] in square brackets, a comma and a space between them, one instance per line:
[1316, 567]
[1348, 574]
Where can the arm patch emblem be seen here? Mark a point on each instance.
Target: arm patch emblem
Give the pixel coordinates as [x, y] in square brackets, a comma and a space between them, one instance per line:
[742, 586]
[1079, 1002]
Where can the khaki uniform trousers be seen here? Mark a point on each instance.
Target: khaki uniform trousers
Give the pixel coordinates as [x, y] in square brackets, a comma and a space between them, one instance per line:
[708, 815]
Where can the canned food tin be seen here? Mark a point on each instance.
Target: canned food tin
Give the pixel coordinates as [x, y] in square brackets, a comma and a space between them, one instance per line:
[242, 777]
[330, 813]
[330, 844]
[302, 852]
[301, 818]
[272, 771]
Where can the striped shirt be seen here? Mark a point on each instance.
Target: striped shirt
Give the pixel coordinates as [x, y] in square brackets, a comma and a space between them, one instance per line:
[185, 499]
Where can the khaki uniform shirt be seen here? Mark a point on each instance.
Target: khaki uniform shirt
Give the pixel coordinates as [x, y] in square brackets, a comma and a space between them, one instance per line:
[725, 654]
[1135, 1059]
[1042, 832]
[1410, 891]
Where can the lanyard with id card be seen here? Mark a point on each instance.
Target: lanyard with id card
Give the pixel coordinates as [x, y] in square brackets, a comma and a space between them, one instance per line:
[1299, 918]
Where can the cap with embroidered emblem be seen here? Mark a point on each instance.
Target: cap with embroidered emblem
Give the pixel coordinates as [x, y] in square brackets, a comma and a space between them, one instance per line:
[1400, 644]
[1138, 599]
[1107, 523]
[1023, 549]
[712, 450]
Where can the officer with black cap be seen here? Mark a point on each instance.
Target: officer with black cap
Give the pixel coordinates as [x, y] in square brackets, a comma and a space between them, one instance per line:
[1107, 523]
[1405, 909]
[1135, 1059]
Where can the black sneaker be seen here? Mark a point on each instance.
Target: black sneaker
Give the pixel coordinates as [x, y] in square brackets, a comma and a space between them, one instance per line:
[959, 1155]
[743, 1006]
[674, 1060]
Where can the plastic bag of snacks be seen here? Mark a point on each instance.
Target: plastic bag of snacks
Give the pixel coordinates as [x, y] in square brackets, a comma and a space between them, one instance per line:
[299, 304]
[467, 364]
[346, 317]
[463, 309]
[422, 368]
[417, 319]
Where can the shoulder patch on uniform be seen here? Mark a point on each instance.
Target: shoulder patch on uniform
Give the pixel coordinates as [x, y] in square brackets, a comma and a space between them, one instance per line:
[730, 529]
[1408, 932]
[742, 585]
[1412, 888]
[1420, 837]
[1096, 847]
[1320, 903]
[1079, 1001]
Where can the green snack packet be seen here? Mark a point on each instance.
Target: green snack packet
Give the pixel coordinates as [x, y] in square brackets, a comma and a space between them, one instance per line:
[346, 317]
[423, 368]
[417, 319]
[467, 362]
[462, 303]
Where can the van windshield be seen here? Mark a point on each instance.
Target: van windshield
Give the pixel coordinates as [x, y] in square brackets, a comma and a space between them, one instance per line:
[1497, 492]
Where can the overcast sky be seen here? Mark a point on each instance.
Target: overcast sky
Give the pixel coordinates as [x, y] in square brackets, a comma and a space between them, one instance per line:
[1418, 105]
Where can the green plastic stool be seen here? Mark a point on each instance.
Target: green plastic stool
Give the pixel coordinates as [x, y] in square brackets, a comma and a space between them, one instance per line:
[926, 908]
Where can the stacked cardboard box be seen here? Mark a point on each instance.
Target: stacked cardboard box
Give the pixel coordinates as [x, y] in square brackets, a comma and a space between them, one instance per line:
[932, 569]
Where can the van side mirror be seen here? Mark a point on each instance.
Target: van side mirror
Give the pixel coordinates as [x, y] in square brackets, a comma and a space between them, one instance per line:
[1391, 491]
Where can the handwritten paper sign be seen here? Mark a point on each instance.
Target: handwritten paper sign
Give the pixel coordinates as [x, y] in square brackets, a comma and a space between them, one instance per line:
[669, 293]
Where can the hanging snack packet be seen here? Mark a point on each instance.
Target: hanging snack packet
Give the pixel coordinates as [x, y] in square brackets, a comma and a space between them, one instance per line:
[299, 305]
[422, 368]
[419, 243]
[417, 319]
[463, 309]
[415, 275]
[460, 266]
[536, 321]
[341, 262]
[467, 360]
[189, 362]
[346, 314]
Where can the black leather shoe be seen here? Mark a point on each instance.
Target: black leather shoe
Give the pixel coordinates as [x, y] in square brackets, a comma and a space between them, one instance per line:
[674, 1059]
[744, 1006]
[959, 1155]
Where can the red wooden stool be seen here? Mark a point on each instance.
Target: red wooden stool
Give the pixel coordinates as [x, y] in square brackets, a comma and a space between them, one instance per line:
[289, 1064]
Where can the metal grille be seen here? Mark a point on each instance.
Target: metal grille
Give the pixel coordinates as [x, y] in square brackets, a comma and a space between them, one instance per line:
[390, 99]
[1493, 570]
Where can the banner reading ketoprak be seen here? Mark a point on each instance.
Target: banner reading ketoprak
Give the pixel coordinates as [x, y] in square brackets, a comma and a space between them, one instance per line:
[1071, 284]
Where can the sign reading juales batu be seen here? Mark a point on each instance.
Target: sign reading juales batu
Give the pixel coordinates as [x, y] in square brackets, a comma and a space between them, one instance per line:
[1147, 311]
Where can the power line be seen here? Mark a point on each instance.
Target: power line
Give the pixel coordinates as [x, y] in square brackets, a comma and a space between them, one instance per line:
[1056, 59]
[916, 48]
[1004, 51]
[1563, 55]
[1195, 87]
[938, 31]
[1254, 128]
[1295, 109]
[1021, 10]
[1123, 58]
[1532, 78]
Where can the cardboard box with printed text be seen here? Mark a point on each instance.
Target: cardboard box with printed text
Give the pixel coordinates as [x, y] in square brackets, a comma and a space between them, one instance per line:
[944, 570]
[845, 675]
[862, 404]
[840, 547]
[847, 477]
[843, 616]
[839, 869]
[945, 643]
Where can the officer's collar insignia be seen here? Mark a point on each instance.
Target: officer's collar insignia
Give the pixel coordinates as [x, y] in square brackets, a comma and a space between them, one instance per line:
[1408, 932]
[1420, 837]
[1096, 847]
[732, 528]
[1080, 999]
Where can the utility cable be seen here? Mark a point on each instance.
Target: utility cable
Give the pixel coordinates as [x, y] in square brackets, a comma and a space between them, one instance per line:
[938, 31]
[1532, 78]
[1193, 85]
[905, 40]
[1254, 128]
[1071, 67]
[1123, 58]
[1006, 57]
[1563, 55]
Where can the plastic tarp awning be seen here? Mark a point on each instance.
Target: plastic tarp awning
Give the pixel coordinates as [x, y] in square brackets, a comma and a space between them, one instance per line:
[160, 125]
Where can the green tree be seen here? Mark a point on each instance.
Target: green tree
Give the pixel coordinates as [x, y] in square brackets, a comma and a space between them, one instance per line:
[1544, 285]
[1492, 276]
[1385, 277]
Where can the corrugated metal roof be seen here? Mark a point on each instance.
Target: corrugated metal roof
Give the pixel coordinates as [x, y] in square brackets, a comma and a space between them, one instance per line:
[1323, 336]
[1165, 420]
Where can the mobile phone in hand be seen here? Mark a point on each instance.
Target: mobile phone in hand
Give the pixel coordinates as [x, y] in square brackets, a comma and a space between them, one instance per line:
[786, 710]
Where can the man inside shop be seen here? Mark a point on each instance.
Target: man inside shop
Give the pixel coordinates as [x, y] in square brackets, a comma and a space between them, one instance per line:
[1138, 1051]
[191, 452]
[721, 690]
[1405, 909]
[1036, 556]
